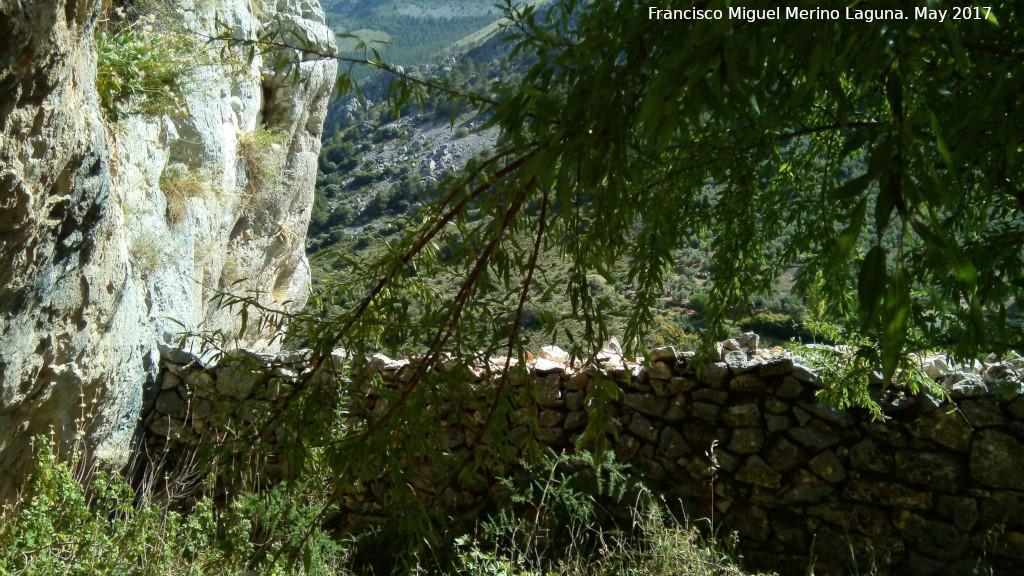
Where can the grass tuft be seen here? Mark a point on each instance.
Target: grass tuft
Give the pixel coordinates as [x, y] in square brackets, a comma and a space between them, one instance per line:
[569, 515]
[179, 184]
[262, 156]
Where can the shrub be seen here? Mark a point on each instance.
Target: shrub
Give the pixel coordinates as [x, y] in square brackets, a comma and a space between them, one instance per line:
[148, 254]
[342, 215]
[364, 178]
[398, 205]
[385, 133]
[326, 166]
[673, 330]
[139, 69]
[375, 207]
[560, 520]
[780, 326]
[73, 523]
[699, 303]
[332, 191]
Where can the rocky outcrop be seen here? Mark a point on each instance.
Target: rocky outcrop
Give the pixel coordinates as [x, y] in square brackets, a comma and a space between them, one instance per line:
[931, 490]
[99, 264]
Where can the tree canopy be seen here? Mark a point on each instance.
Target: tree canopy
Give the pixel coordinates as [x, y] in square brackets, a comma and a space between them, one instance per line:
[886, 153]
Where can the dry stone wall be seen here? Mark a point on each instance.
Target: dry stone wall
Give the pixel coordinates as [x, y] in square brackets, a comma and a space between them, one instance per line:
[930, 490]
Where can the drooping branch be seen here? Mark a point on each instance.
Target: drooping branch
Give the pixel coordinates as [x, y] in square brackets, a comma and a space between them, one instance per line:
[442, 337]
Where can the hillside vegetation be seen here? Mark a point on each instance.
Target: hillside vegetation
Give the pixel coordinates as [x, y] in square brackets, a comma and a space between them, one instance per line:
[79, 522]
[407, 33]
[378, 167]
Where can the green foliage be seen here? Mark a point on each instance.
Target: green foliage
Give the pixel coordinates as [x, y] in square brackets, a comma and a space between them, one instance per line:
[776, 326]
[699, 303]
[775, 132]
[551, 501]
[847, 371]
[572, 515]
[326, 220]
[140, 67]
[338, 154]
[779, 144]
[375, 207]
[100, 526]
[362, 178]
[674, 330]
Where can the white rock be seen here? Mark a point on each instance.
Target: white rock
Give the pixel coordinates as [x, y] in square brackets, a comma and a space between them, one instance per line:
[749, 341]
[544, 366]
[554, 353]
[805, 374]
[731, 345]
[381, 363]
[612, 346]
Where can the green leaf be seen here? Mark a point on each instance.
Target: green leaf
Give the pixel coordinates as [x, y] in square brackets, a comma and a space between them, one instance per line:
[932, 240]
[852, 188]
[531, 91]
[244, 316]
[894, 323]
[894, 92]
[848, 237]
[954, 42]
[940, 142]
[967, 274]
[871, 284]
[885, 203]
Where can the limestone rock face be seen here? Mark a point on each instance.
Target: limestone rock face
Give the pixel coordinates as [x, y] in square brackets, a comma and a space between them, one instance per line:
[95, 273]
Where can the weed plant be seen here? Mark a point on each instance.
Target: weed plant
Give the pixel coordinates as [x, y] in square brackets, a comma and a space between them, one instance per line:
[573, 516]
[262, 158]
[75, 523]
[568, 515]
[139, 68]
[149, 254]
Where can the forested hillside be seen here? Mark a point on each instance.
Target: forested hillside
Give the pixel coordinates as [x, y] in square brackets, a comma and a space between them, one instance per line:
[379, 165]
[778, 276]
[405, 32]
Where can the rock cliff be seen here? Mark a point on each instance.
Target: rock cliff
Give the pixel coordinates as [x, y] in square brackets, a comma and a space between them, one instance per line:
[104, 255]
